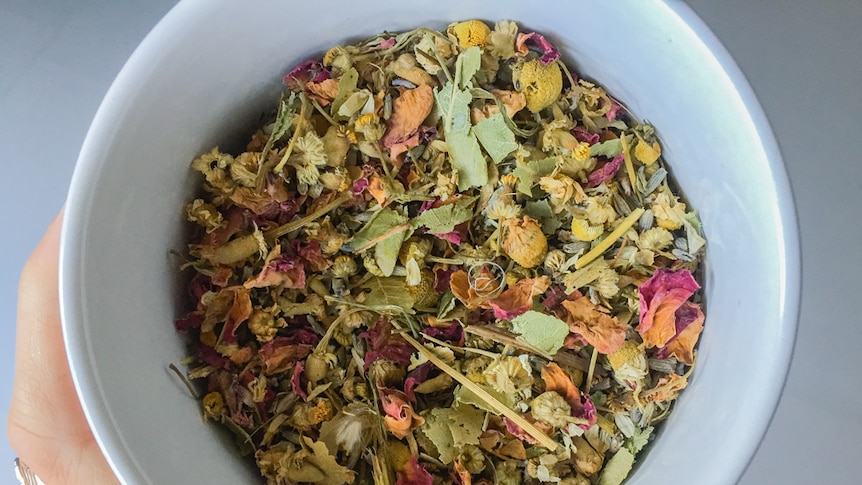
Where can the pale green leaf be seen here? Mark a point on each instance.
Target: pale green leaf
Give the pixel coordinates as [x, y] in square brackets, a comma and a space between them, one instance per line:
[381, 222]
[447, 304]
[617, 468]
[466, 396]
[388, 292]
[467, 160]
[386, 249]
[358, 102]
[640, 439]
[386, 252]
[452, 428]
[693, 229]
[466, 66]
[540, 330]
[496, 138]
[454, 108]
[284, 120]
[442, 220]
[346, 87]
[528, 173]
[610, 148]
[541, 211]
[318, 465]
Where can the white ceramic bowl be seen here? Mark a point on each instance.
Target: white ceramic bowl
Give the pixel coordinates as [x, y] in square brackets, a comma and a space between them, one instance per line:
[207, 71]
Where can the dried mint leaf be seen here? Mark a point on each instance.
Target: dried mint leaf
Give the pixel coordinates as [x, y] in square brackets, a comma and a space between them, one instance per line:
[452, 428]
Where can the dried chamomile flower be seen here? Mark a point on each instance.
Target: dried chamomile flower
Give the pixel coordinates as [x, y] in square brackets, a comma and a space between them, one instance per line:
[215, 166]
[205, 214]
[524, 241]
[509, 374]
[599, 210]
[213, 406]
[669, 212]
[264, 325]
[507, 473]
[386, 372]
[343, 267]
[655, 239]
[551, 408]
[629, 364]
[501, 42]
[540, 84]
[446, 185]
[554, 261]
[470, 33]
[370, 127]
[561, 189]
[310, 156]
[423, 293]
[472, 459]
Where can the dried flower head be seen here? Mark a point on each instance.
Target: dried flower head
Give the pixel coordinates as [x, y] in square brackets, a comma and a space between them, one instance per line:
[470, 33]
[524, 242]
[540, 84]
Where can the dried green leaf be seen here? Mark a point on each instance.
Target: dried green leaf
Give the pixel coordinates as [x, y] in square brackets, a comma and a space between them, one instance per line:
[284, 120]
[453, 105]
[389, 291]
[693, 229]
[541, 211]
[610, 148]
[447, 304]
[466, 66]
[496, 137]
[640, 439]
[442, 220]
[466, 396]
[617, 468]
[529, 173]
[467, 160]
[542, 331]
[452, 428]
[346, 87]
[315, 464]
[386, 249]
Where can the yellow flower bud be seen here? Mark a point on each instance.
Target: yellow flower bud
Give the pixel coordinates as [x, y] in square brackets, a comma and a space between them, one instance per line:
[471, 33]
[540, 84]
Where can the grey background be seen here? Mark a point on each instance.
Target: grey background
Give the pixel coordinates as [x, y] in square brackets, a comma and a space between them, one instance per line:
[803, 58]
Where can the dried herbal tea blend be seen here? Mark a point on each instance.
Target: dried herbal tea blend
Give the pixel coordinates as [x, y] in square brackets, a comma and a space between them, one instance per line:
[443, 258]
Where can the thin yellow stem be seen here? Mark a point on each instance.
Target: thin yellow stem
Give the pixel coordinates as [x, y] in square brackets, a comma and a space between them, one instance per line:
[607, 242]
[493, 402]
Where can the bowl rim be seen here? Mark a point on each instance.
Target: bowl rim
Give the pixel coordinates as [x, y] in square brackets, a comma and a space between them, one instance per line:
[86, 378]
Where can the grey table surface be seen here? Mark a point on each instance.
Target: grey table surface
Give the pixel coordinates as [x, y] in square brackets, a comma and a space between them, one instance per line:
[803, 58]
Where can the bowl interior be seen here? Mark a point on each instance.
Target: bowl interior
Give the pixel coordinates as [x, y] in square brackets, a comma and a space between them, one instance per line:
[209, 69]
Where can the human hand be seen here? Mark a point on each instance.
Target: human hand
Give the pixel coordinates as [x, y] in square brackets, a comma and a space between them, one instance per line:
[46, 425]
